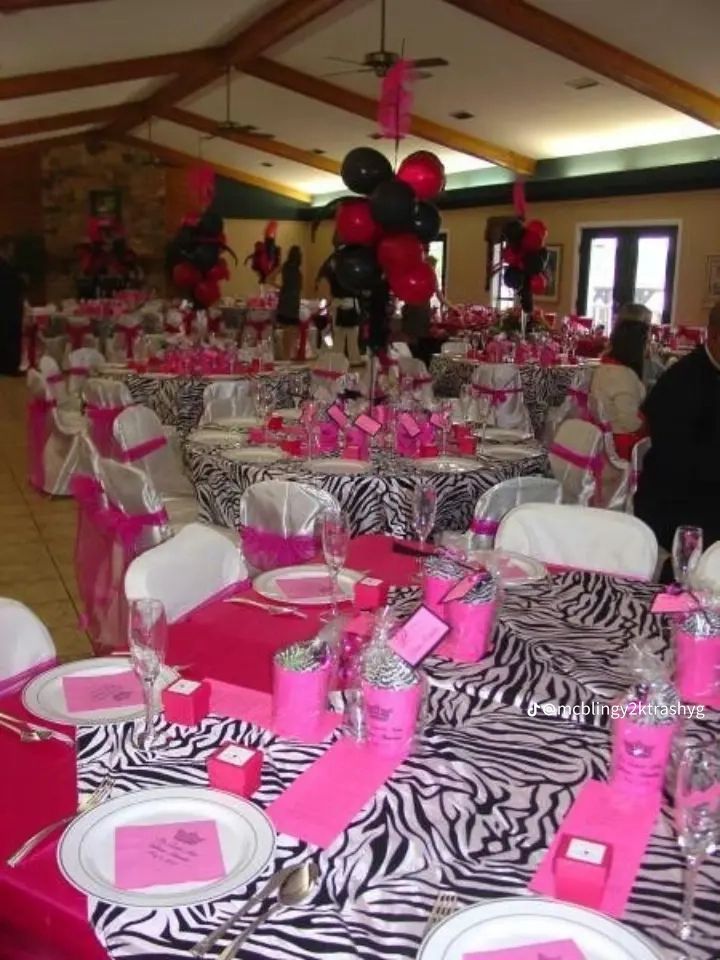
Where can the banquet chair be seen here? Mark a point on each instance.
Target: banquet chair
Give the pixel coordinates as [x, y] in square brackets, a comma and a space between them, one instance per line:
[142, 440]
[706, 575]
[326, 374]
[575, 405]
[277, 522]
[131, 491]
[54, 347]
[27, 647]
[52, 438]
[80, 333]
[580, 537]
[227, 398]
[126, 331]
[455, 348]
[80, 365]
[411, 367]
[195, 565]
[503, 497]
[500, 383]
[53, 376]
[398, 348]
[104, 400]
[582, 458]
[637, 458]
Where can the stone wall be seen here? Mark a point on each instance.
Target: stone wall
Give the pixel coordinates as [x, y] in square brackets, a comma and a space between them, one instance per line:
[69, 173]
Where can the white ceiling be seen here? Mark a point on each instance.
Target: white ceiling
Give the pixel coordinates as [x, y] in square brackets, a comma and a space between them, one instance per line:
[16, 141]
[50, 104]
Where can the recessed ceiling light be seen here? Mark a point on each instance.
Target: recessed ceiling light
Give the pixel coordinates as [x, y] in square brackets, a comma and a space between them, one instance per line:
[318, 151]
[266, 163]
[462, 115]
[582, 83]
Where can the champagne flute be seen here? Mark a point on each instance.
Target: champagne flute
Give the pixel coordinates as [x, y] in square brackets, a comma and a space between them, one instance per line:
[483, 412]
[424, 513]
[335, 537]
[147, 636]
[465, 401]
[697, 820]
[310, 411]
[687, 549]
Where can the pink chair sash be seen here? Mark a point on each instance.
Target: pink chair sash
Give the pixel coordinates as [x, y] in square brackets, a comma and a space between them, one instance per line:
[327, 374]
[497, 396]
[485, 527]
[54, 378]
[38, 427]
[101, 427]
[580, 396]
[77, 334]
[129, 526]
[421, 381]
[582, 461]
[78, 371]
[265, 550]
[18, 681]
[143, 449]
[130, 334]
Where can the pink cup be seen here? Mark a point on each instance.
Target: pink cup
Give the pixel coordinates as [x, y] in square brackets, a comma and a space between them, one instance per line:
[470, 636]
[467, 445]
[697, 668]
[353, 452]
[640, 755]
[299, 700]
[391, 716]
[256, 435]
[429, 450]
[434, 589]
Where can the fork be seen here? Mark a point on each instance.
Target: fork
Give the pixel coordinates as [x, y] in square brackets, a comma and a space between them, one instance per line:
[25, 733]
[268, 607]
[101, 792]
[42, 733]
[445, 906]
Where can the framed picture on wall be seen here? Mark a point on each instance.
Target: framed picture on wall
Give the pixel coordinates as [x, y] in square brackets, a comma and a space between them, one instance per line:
[106, 203]
[712, 277]
[552, 271]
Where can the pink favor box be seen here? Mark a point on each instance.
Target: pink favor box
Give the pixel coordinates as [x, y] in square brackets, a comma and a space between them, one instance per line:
[370, 593]
[582, 867]
[640, 755]
[186, 702]
[235, 768]
[470, 636]
[391, 717]
[429, 450]
[697, 665]
[467, 445]
[299, 700]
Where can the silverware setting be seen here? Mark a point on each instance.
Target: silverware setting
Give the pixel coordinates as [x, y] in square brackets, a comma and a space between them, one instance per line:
[445, 906]
[271, 608]
[32, 732]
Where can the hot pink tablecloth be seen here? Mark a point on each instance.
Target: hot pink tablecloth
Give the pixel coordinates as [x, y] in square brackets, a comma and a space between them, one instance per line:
[41, 916]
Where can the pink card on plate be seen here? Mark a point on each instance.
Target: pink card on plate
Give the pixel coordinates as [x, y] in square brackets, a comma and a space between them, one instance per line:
[166, 853]
[300, 588]
[409, 424]
[102, 691]
[674, 603]
[419, 635]
[602, 814]
[550, 950]
[337, 414]
[367, 424]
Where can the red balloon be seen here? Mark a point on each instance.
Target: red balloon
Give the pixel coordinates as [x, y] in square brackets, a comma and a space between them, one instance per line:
[186, 275]
[219, 271]
[398, 250]
[531, 241]
[354, 223]
[538, 283]
[512, 257]
[414, 284]
[271, 230]
[537, 226]
[207, 292]
[424, 172]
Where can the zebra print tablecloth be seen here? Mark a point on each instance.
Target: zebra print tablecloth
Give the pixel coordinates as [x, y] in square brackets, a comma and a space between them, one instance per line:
[379, 501]
[543, 387]
[472, 810]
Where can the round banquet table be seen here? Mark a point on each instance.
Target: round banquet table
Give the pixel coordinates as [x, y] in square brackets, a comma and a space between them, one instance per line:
[377, 501]
[471, 811]
[543, 387]
[177, 399]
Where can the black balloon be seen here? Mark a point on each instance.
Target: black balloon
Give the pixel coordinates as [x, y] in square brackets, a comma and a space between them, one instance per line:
[392, 205]
[363, 169]
[426, 221]
[513, 278]
[210, 224]
[513, 232]
[526, 298]
[205, 256]
[536, 262]
[356, 268]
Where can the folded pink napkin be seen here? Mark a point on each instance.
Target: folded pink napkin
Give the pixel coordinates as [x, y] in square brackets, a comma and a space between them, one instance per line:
[102, 692]
[254, 706]
[167, 853]
[550, 950]
[602, 814]
[674, 603]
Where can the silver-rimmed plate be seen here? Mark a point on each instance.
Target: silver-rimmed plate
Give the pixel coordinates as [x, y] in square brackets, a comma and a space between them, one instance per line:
[509, 452]
[446, 464]
[255, 454]
[286, 585]
[336, 465]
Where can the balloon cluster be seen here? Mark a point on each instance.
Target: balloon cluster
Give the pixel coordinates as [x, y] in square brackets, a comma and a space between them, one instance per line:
[194, 256]
[525, 258]
[385, 230]
[266, 254]
[106, 254]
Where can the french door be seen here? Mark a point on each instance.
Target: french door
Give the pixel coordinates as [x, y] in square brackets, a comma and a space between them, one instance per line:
[621, 265]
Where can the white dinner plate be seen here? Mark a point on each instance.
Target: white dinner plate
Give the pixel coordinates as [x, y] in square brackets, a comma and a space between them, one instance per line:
[43, 696]
[498, 435]
[445, 464]
[266, 584]
[521, 921]
[513, 569]
[86, 852]
[336, 465]
[255, 454]
[237, 423]
[214, 438]
[516, 451]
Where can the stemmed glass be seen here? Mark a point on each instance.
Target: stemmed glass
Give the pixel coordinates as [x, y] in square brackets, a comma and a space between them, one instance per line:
[424, 513]
[310, 411]
[147, 636]
[297, 389]
[465, 401]
[697, 820]
[263, 401]
[687, 549]
[445, 409]
[482, 405]
[335, 537]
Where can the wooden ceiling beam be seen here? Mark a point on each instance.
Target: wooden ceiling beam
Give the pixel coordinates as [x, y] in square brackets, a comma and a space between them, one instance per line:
[321, 90]
[269, 29]
[187, 160]
[264, 144]
[44, 144]
[589, 51]
[61, 121]
[20, 6]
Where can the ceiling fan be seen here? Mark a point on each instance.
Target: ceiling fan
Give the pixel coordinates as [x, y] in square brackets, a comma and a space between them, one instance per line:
[228, 125]
[153, 160]
[380, 61]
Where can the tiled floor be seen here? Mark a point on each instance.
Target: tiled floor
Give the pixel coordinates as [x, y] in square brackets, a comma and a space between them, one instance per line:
[36, 535]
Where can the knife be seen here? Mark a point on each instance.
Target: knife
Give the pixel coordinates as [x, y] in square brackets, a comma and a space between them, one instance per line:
[55, 734]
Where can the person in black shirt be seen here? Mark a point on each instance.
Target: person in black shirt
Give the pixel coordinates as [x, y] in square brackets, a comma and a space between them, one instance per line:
[344, 311]
[11, 312]
[680, 480]
[288, 306]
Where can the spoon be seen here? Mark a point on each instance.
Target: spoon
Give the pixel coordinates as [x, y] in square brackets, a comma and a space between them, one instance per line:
[296, 887]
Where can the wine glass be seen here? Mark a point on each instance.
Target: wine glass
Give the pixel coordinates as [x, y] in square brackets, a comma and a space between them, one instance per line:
[482, 406]
[263, 401]
[465, 401]
[697, 820]
[147, 636]
[687, 549]
[335, 537]
[297, 389]
[424, 513]
[310, 412]
[445, 408]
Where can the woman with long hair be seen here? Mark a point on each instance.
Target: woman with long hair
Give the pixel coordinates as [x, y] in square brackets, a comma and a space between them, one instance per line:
[288, 308]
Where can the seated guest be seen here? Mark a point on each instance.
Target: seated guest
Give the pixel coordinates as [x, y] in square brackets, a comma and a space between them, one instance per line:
[680, 481]
[617, 386]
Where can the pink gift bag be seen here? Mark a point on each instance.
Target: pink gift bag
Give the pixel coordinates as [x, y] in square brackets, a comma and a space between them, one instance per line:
[640, 755]
[471, 630]
[697, 668]
[299, 700]
[391, 716]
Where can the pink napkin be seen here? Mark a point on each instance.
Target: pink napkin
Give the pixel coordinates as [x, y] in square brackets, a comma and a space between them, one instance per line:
[348, 773]
[550, 950]
[254, 706]
[674, 603]
[298, 588]
[601, 814]
[102, 692]
[167, 853]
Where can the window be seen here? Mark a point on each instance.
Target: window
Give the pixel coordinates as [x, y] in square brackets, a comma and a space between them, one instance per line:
[626, 265]
[438, 250]
[503, 298]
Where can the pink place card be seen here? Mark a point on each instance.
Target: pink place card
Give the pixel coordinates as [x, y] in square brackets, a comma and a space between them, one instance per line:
[102, 691]
[419, 635]
[550, 950]
[409, 424]
[255, 706]
[674, 603]
[338, 415]
[599, 813]
[461, 588]
[167, 853]
[300, 588]
[367, 424]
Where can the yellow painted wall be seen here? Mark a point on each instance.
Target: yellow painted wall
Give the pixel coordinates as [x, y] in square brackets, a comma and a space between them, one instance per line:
[242, 236]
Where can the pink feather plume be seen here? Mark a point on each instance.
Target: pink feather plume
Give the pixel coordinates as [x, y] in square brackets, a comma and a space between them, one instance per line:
[396, 98]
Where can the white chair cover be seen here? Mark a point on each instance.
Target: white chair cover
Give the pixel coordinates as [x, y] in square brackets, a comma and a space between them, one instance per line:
[500, 499]
[54, 347]
[26, 647]
[326, 375]
[455, 348]
[132, 491]
[501, 384]
[89, 340]
[141, 440]
[637, 458]
[581, 537]
[422, 381]
[707, 572]
[277, 522]
[81, 364]
[398, 348]
[53, 435]
[187, 570]
[575, 404]
[104, 400]
[53, 376]
[227, 398]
